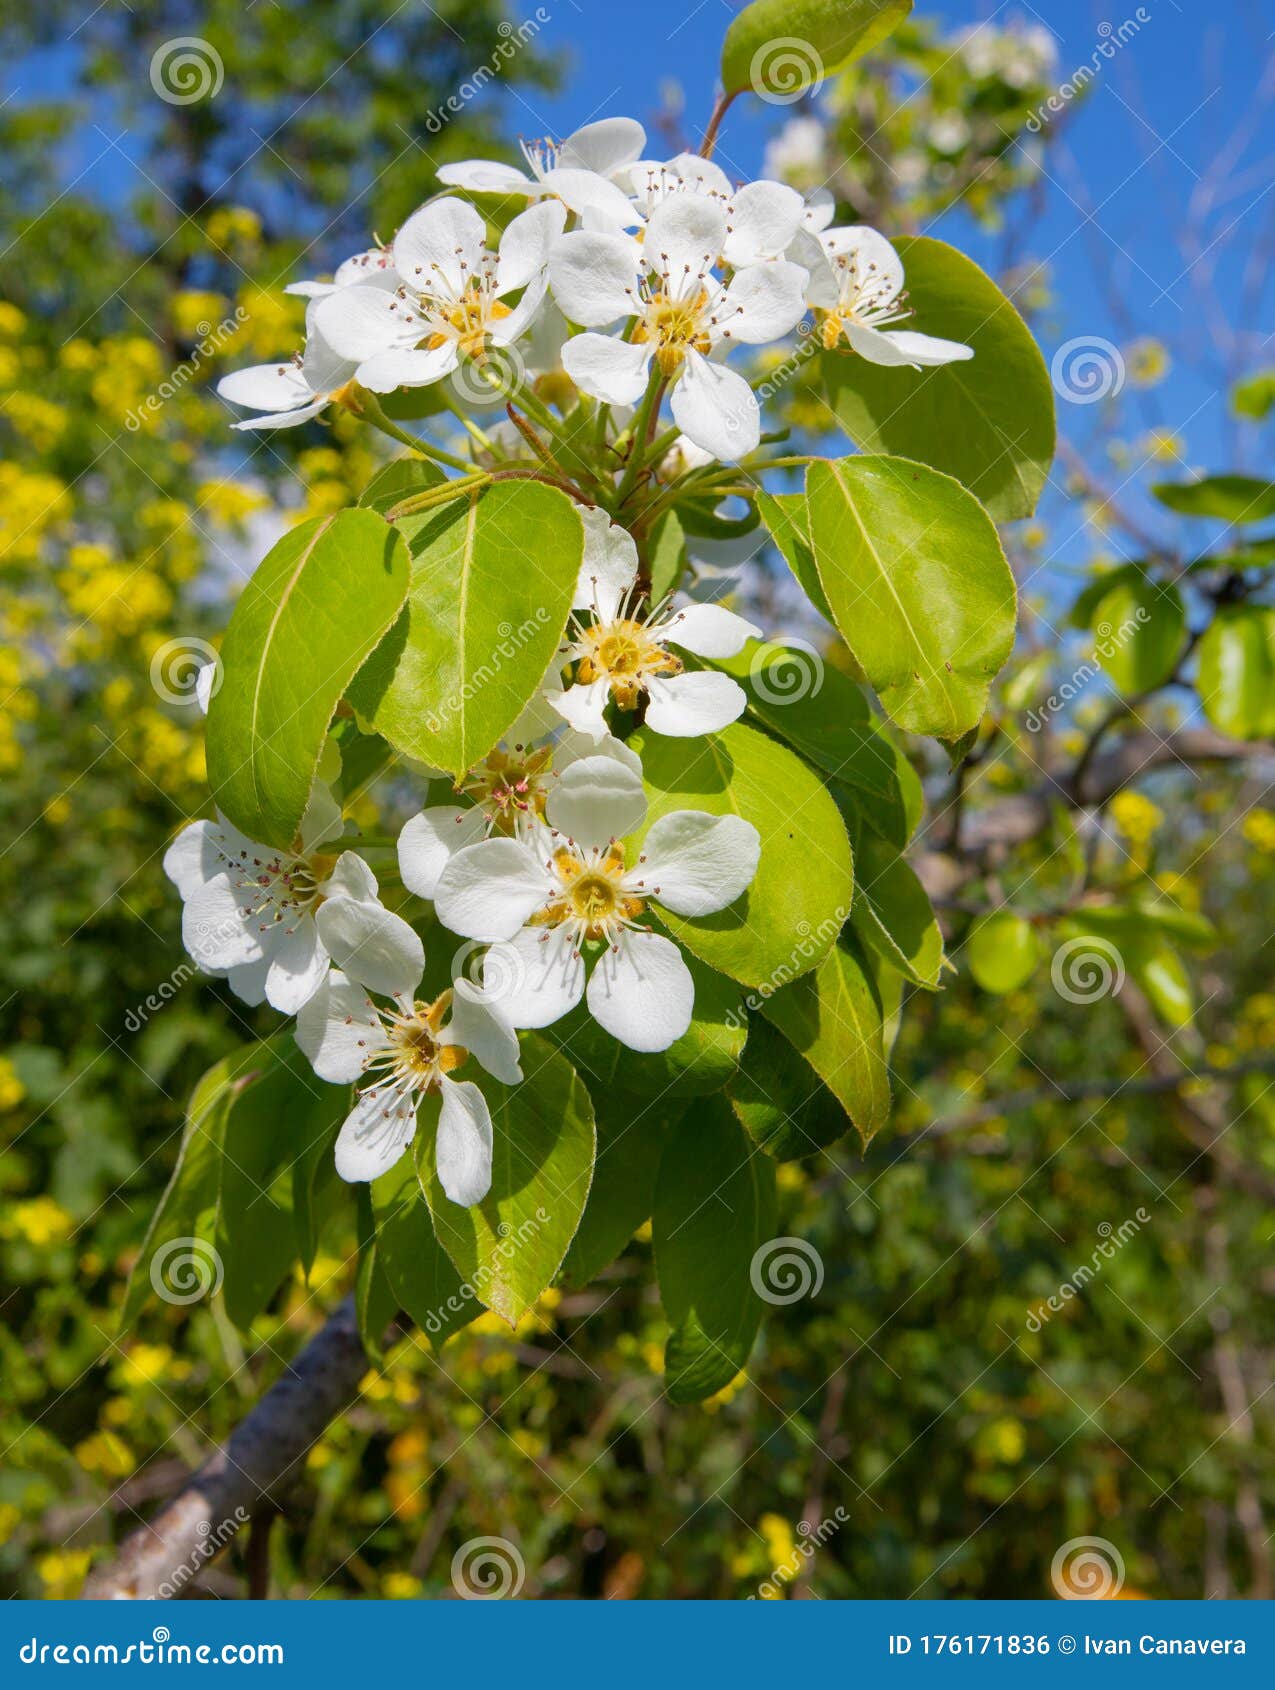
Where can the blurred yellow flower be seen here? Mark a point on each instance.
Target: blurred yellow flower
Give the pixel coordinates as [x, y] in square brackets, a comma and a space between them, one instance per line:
[1136, 816]
[40, 1221]
[12, 1090]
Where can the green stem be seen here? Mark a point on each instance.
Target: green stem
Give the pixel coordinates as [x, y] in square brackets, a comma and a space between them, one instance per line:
[474, 482]
[637, 432]
[370, 410]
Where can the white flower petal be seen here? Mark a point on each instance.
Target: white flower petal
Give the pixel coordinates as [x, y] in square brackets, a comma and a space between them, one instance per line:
[683, 239]
[338, 1030]
[877, 266]
[194, 856]
[462, 1149]
[764, 218]
[248, 981]
[351, 878]
[685, 706]
[443, 242]
[708, 630]
[321, 820]
[408, 367]
[918, 350]
[298, 967]
[479, 1022]
[594, 277]
[716, 408]
[762, 303]
[583, 706]
[486, 176]
[536, 977]
[611, 370]
[360, 321]
[266, 387]
[322, 368]
[603, 146]
[376, 1133]
[283, 419]
[372, 944]
[490, 890]
[642, 993]
[608, 566]
[587, 193]
[573, 745]
[694, 863]
[526, 244]
[431, 839]
[215, 931]
[596, 799]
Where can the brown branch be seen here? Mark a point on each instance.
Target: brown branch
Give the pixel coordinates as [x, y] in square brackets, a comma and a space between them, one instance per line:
[252, 1467]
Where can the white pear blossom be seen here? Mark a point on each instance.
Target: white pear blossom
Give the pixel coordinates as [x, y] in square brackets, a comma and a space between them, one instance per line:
[858, 289]
[290, 393]
[619, 657]
[452, 300]
[581, 171]
[683, 315]
[374, 266]
[515, 787]
[270, 921]
[399, 1052]
[546, 897]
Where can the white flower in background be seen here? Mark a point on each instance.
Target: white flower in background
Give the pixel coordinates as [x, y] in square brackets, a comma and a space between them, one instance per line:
[452, 302]
[797, 154]
[514, 788]
[761, 217]
[396, 1054]
[858, 290]
[683, 314]
[619, 657]
[290, 393]
[270, 921]
[375, 267]
[546, 896]
[652, 181]
[580, 171]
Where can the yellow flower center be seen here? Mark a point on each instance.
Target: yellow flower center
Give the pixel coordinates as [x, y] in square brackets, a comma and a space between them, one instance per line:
[675, 327]
[591, 892]
[415, 1050]
[511, 784]
[469, 319]
[624, 653]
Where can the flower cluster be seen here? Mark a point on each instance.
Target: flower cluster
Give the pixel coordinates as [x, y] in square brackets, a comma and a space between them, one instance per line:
[624, 284]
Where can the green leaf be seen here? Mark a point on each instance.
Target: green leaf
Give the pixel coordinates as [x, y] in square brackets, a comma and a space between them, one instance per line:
[1228, 498]
[1254, 396]
[785, 516]
[785, 1108]
[1236, 672]
[631, 1139]
[1140, 628]
[989, 420]
[832, 1018]
[374, 1301]
[714, 1209]
[1002, 951]
[1162, 975]
[892, 913]
[399, 480]
[823, 714]
[492, 580]
[800, 898]
[918, 584]
[667, 556]
[510, 1246]
[779, 47]
[701, 1061]
[317, 605]
[1083, 611]
[417, 1269]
